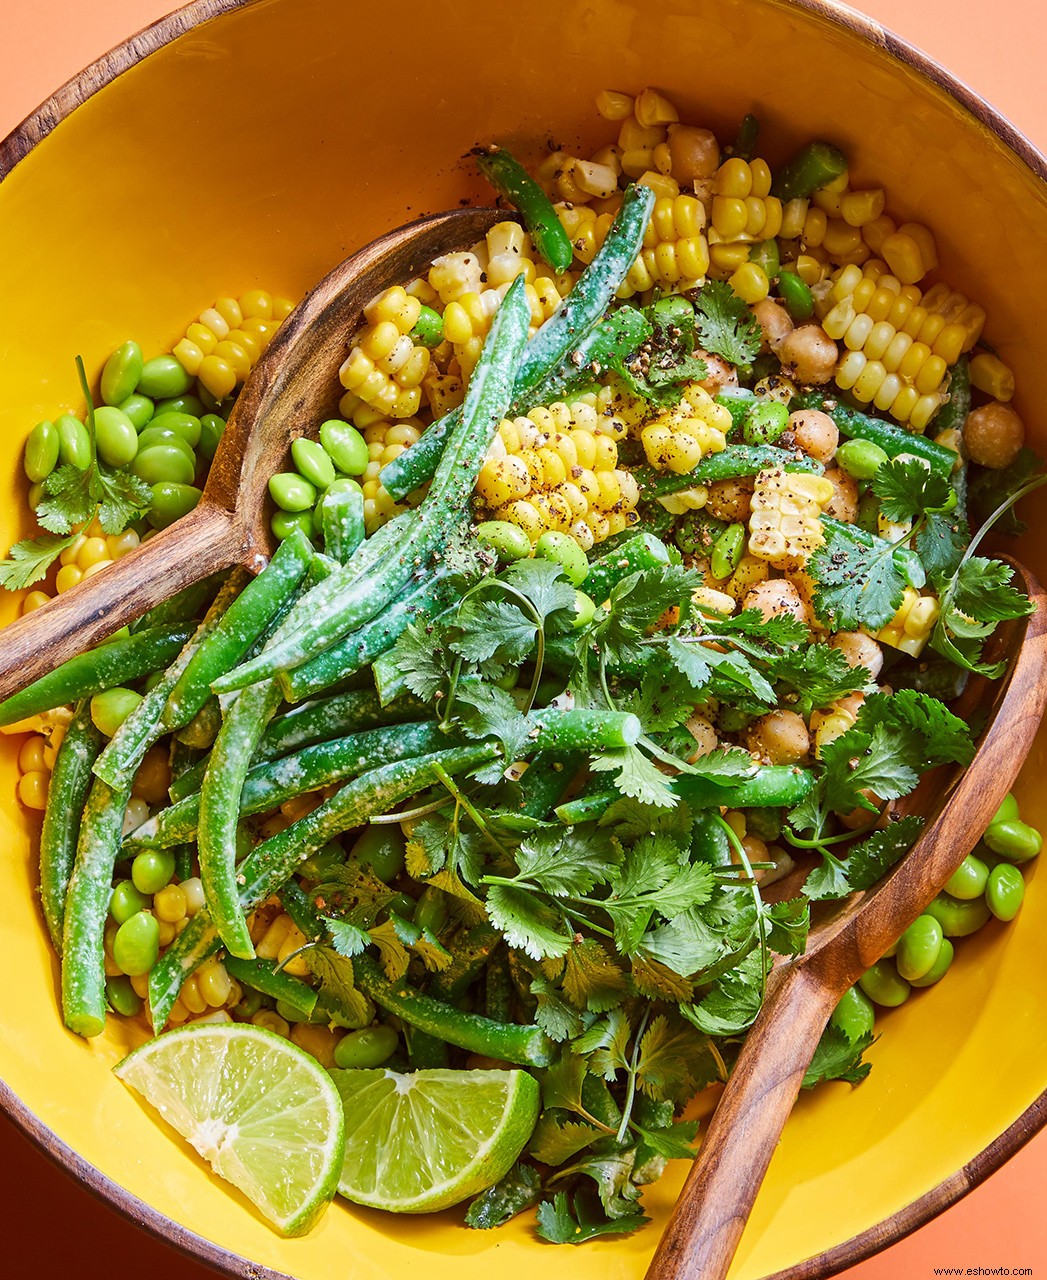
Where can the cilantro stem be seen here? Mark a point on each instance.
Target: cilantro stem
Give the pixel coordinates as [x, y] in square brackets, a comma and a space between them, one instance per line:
[81, 373]
[463, 800]
[1004, 507]
[387, 819]
[630, 1092]
[761, 923]
[820, 842]
[721, 1066]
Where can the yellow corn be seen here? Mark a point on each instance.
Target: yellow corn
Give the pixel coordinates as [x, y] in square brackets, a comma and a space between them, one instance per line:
[784, 528]
[384, 368]
[832, 723]
[751, 570]
[678, 438]
[221, 347]
[991, 375]
[911, 627]
[742, 211]
[385, 440]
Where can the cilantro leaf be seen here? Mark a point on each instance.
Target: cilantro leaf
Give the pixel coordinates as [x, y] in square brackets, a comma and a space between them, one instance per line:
[909, 488]
[665, 1062]
[121, 497]
[421, 659]
[591, 979]
[392, 953]
[544, 585]
[485, 711]
[858, 761]
[346, 938]
[940, 544]
[855, 586]
[686, 944]
[485, 628]
[726, 325]
[837, 1058]
[992, 488]
[567, 861]
[554, 1140]
[342, 1001]
[674, 1141]
[657, 981]
[68, 500]
[553, 1014]
[923, 728]
[510, 1195]
[865, 863]
[631, 819]
[732, 1004]
[29, 560]
[527, 922]
[636, 776]
[637, 602]
[818, 674]
[558, 1224]
[983, 590]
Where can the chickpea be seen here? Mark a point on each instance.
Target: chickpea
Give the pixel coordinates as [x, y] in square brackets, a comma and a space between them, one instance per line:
[775, 323]
[694, 153]
[860, 650]
[719, 374]
[153, 777]
[993, 435]
[843, 505]
[730, 500]
[783, 864]
[816, 433]
[755, 851]
[809, 354]
[781, 737]
[859, 817]
[775, 597]
[703, 734]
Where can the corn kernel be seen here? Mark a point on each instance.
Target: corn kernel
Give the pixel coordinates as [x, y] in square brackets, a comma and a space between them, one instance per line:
[991, 375]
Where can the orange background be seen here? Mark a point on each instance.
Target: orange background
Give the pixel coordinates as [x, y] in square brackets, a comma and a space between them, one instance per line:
[50, 1226]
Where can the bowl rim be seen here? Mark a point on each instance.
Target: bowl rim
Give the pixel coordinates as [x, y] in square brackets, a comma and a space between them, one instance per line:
[14, 148]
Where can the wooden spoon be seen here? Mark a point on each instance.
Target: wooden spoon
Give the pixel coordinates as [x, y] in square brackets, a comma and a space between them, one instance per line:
[293, 388]
[707, 1222]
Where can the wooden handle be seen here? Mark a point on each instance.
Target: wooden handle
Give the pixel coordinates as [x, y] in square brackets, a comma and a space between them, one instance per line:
[206, 540]
[711, 1213]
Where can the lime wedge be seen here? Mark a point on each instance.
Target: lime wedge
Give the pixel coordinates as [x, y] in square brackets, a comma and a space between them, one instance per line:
[417, 1143]
[262, 1112]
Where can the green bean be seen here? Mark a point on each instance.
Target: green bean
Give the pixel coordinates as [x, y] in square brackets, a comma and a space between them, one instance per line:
[469, 955]
[143, 726]
[565, 330]
[640, 551]
[548, 777]
[269, 784]
[731, 463]
[341, 714]
[770, 785]
[796, 294]
[525, 1045]
[744, 146]
[241, 626]
[585, 808]
[356, 593]
[341, 516]
[112, 663]
[512, 181]
[300, 907]
[263, 975]
[953, 413]
[272, 863]
[498, 988]
[87, 905]
[893, 440]
[185, 606]
[66, 796]
[183, 862]
[814, 165]
[202, 730]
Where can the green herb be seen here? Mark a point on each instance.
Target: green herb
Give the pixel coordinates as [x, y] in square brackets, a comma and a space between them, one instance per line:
[837, 1058]
[726, 325]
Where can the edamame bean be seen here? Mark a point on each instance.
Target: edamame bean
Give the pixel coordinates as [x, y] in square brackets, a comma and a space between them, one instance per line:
[1005, 891]
[585, 608]
[507, 541]
[184, 425]
[564, 551]
[126, 900]
[883, 985]
[854, 1015]
[138, 408]
[122, 997]
[137, 944]
[728, 550]
[189, 404]
[939, 969]
[1008, 810]
[171, 501]
[798, 299]
[36, 495]
[319, 864]
[860, 458]
[345, 445]
[212, 428]
[292, 492]
[428, 328]
[152, 869]
[1015, 841]
[430, 911]
[41, 452]
[160, 462]
[957, 917]
[111, 707]
[220, 408]
[968, 880]
[115, 436]
[766, 422]
[313, 462]
[382, 849]
[401, 905]
[284, 523]
[344, 484]
[163, 377]
[366, 1049]
[765, 254]
[74, 441]
[121, 373]
[163, 436]
[918, 948]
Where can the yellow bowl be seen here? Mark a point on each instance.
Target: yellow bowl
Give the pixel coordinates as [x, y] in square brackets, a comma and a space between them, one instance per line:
[256, 145]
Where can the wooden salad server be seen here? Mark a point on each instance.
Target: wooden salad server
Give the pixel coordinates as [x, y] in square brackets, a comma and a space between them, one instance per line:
[704, 1229]
[292, 389]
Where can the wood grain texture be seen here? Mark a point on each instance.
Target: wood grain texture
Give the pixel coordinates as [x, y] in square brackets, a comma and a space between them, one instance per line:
[702, 1235]
[292, 389]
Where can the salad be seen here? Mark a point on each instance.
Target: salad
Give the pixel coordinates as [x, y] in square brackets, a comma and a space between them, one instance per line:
[606, 627]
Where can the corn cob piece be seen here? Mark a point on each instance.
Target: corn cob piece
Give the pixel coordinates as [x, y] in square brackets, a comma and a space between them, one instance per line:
[742, 211]
[222, 346]
[557, 469]
[385, 440]
[784, 528]
[385, 367]
[678, 438]
[911, 627]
